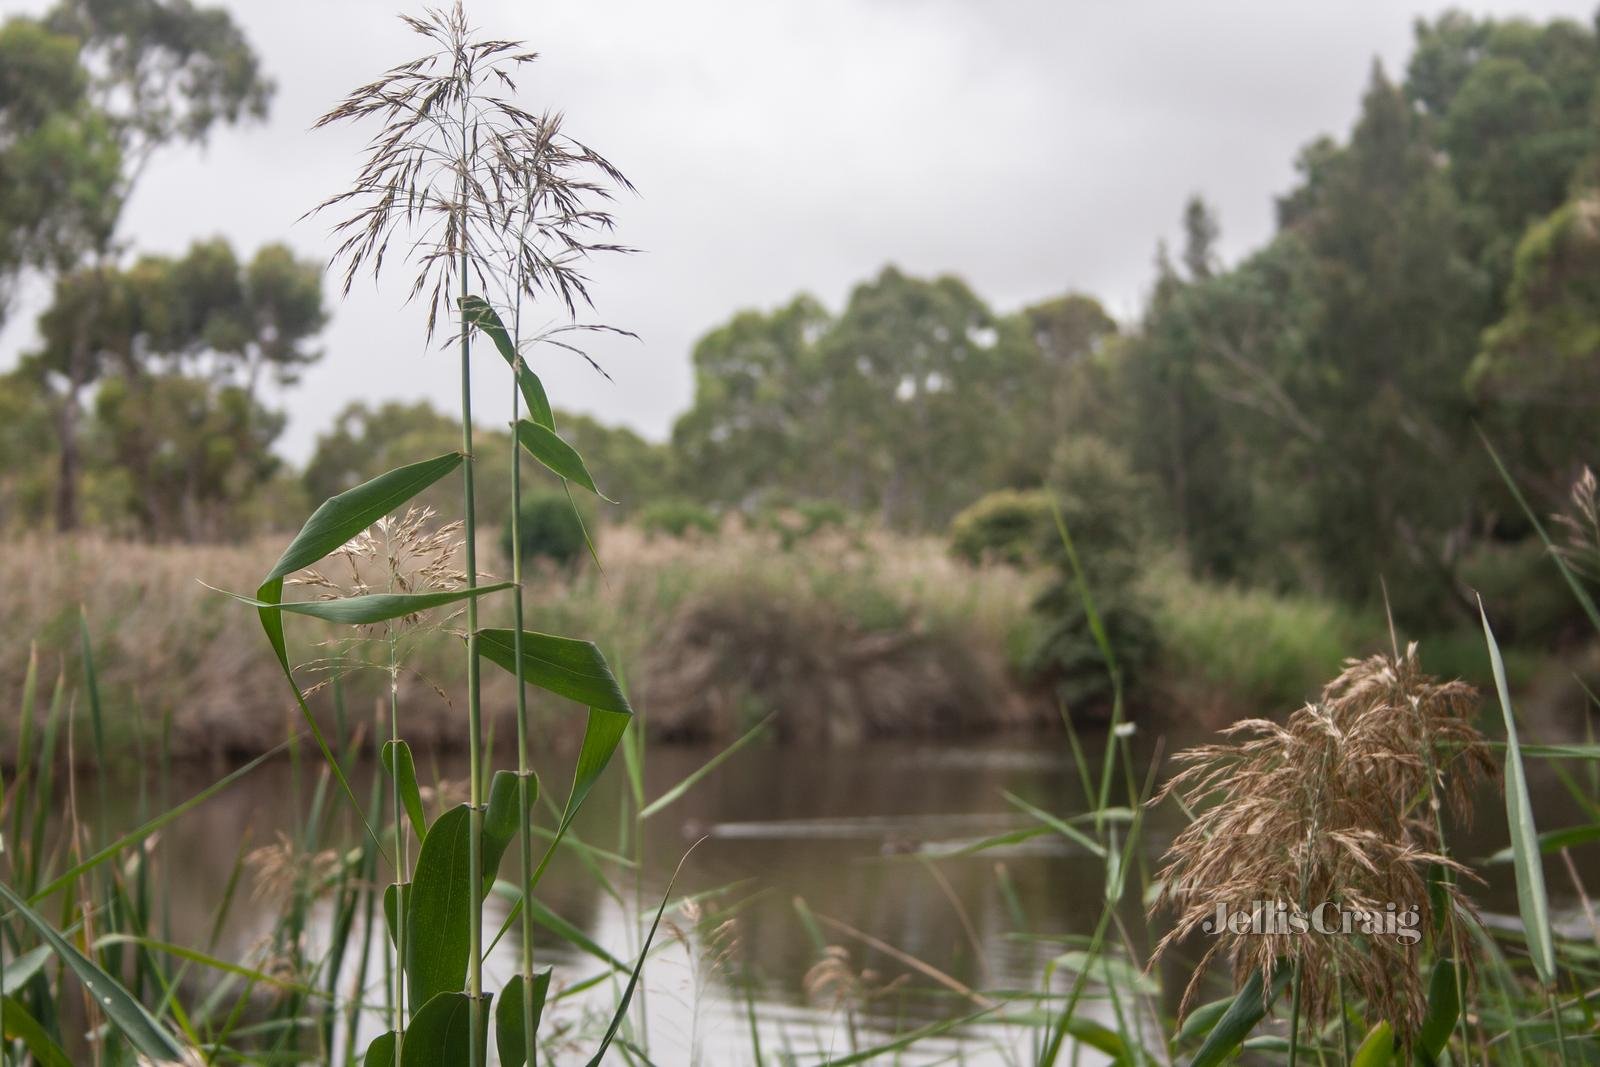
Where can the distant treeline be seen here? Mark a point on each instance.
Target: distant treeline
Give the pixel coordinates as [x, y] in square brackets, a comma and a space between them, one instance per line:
[1308, 417]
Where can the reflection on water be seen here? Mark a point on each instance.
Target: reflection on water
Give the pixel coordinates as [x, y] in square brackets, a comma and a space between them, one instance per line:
[872, 840]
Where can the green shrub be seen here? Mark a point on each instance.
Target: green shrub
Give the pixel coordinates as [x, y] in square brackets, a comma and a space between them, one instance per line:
[1009, 526]
[550, 530]
[676, 518]
[1065, 653]
[1267, 651]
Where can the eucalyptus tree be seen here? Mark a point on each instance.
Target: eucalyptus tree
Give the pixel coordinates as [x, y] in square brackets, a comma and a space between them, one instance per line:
[176, 347]
[925, 379]
[107, 85]
[757, 397]
[59, 163]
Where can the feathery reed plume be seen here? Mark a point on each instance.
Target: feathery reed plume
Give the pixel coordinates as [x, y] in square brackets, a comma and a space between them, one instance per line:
[1337, 809]
[405, 554]
[282, 870]
[710, 943]
[1582, 526]
[833, 980]
[469, 180]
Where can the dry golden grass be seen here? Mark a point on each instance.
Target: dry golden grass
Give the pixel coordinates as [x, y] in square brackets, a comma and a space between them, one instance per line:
[704, 632]
[163, 642]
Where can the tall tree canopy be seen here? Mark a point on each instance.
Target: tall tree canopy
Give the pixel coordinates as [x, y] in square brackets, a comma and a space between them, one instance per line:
[176, 347]
[91, 92]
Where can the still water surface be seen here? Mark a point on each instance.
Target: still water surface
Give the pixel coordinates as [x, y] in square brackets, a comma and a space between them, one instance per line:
[862, 835]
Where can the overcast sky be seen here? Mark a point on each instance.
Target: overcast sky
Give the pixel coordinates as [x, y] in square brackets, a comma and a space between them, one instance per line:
[1032, 146]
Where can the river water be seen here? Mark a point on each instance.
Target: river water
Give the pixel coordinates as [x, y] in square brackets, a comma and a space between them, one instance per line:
[869, 838]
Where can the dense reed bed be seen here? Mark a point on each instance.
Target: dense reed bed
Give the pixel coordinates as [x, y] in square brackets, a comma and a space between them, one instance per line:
[713, 632]
[919, 644]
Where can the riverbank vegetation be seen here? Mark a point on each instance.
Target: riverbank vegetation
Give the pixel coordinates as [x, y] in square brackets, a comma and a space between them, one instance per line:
[849, 635]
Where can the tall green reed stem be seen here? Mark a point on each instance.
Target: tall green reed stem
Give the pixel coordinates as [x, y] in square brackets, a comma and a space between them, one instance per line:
[402, 861]
[524, 771]
[474, 702]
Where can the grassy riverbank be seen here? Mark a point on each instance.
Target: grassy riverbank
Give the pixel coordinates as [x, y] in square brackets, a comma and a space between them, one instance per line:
[847, 635]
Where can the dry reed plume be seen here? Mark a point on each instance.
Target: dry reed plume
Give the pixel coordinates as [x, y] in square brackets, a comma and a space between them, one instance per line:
[458, 171]
[1341, 805]
[1582, 525]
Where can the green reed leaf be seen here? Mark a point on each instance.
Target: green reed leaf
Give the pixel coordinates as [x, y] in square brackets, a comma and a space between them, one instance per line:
[1248, 1007]
[688, 783]
[1532, 901]
[1586, 752]
[20, 971]
[395, 896]
[510, 1020]
[1202, 1020]
[1551, 840]
[22, 1026]
[1579, 593]
[499, 823]
[479, 313]
[557, 925]
[644, 953]
[119, 1006]
[565, 666]
[1444, 1007]
[371, 608]
[403, 770]
[1100, 1037]
[546, 446]
[341, 517]
[1376, 1049]
[600, 737]
[440, 1032]
[381, 1052]
[439, 910]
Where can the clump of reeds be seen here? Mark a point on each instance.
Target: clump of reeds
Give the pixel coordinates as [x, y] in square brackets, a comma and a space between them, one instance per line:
[1341, 805]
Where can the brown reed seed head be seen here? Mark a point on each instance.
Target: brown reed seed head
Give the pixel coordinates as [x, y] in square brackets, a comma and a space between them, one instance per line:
[459, 169]
[1341, 805]
[1582, 527]
[834, 981]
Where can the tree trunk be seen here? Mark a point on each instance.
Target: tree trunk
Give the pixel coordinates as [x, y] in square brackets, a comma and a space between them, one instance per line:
[71, 459]
[71, 411]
